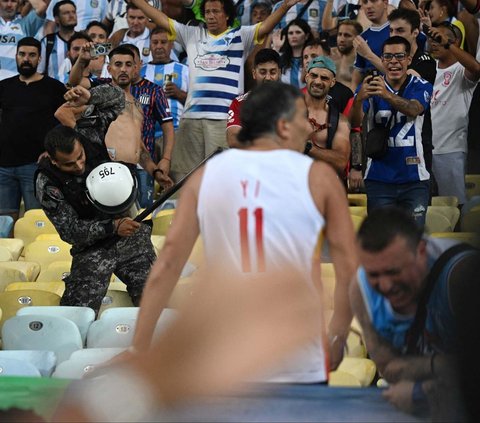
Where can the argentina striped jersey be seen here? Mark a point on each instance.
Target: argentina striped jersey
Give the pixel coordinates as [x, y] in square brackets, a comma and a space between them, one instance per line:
[87, 11]
[313, 14]
[216, 65]
[57, 57]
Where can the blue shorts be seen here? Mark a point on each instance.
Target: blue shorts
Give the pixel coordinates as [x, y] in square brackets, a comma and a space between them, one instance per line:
[16, 182]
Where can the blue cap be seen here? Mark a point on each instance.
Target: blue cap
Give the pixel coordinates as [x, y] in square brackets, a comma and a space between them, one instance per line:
[322, 62]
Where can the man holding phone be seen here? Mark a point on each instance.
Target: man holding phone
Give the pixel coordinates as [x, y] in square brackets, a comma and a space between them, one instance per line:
[397, 101]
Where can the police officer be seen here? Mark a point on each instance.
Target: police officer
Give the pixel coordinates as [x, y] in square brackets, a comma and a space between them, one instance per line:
[61, 188]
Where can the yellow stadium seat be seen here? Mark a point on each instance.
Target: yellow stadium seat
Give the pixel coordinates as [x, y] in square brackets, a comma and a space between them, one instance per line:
[197, 256]
[357, 199]
[452, 213]
[471, 238]
[117, 285]
[471, 221]
[55, 271]
[14, 245]
[48, 237]
[158, 241]
[472, 185]
[358, 211]
[343, 379]
[115, 298]
[437, 223]
[17, 271]
[28, 228]
[357, 221]
[55, 287]
[445, 200]
[5, 254]
[12, 301]
[46, 252]
[184, 289]
[362, 369]
[162, 222]
[36, 214]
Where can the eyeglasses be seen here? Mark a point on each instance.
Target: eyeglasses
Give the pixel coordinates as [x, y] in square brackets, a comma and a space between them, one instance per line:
[389, 56]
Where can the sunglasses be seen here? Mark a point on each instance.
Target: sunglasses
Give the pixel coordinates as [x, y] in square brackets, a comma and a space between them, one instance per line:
[398, 56]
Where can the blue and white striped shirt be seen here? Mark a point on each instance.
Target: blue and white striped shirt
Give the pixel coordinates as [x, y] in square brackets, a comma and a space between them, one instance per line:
[313, 14]
[87, 11]
[216, 66]
[57, 57]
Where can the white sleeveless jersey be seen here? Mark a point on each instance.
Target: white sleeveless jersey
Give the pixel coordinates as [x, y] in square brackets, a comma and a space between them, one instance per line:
[256, 214]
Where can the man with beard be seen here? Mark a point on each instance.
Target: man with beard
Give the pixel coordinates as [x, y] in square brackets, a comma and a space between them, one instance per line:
[55, 46]
[398, 101]
[14, 27]
[329, 140]
[74, 45]
[28, 102]
[344, 55]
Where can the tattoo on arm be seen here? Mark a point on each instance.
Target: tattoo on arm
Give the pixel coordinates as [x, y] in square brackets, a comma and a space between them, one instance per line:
[356, 142]
[411, 108]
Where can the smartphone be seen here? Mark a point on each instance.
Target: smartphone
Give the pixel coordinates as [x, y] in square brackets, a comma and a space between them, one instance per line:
[101, 49]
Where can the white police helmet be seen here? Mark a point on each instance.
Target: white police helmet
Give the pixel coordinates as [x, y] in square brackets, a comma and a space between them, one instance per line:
[111, 187]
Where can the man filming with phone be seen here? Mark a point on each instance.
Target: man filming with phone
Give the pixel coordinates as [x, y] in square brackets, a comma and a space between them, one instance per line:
[395, 105]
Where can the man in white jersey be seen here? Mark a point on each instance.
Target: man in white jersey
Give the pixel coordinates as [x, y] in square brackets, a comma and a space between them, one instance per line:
[87, 11]
[14, 27]
[457, 76]
[260, 209]
[216, 58]
[55, 46]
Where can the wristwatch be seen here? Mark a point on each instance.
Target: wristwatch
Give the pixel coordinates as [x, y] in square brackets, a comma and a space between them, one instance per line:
[357, 167]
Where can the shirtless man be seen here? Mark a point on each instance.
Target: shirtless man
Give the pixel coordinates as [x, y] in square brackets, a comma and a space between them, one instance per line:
[344, 54]
[320, 78]
[124, 136]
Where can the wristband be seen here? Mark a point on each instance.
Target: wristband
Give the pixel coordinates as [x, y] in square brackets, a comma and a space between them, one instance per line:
[166, 158]
[357, 129]
[358, 167]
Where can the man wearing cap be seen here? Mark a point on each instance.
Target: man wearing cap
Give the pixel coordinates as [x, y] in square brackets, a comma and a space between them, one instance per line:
[329, 141]
[104, 239]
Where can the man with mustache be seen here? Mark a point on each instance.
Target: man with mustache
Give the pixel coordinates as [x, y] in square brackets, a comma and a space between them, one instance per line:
[28, 102]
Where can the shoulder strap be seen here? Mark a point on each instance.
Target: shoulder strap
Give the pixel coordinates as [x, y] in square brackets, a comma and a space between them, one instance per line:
[333, 118]
[418, 325]
[48, 51]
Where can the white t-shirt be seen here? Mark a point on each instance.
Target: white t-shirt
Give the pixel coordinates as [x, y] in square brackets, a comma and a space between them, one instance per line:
[452, 95]
[256, 214]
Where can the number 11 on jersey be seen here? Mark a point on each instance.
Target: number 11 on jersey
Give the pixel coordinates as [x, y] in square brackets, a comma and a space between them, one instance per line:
[244, 241]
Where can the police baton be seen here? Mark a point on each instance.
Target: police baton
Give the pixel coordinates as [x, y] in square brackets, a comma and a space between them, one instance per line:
[169, 192]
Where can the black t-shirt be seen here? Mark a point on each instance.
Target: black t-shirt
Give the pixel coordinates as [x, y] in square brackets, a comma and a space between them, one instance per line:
[27, 115]
[424, 65]
[341, 95]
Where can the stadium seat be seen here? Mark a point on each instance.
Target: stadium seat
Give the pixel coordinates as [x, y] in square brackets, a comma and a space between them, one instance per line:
[357, 221]
[362, 369]
[44, 361]
[358, 211]
[162, 222]
[6, 225]
[12, 301]
[55, 271]
[120, 313]
[115, 298]
[16, 367]
[39, 332]
[47, 251]
[197, 256]
[182, 290]
[111, 333]
[35, 214]
[14, 245]
[472, 185]
[157, 241]
[17, 271]
[5, 254]
[48, 237]
[437, 223]
[97, 354]
[445, 200]
[55, 287]
[28, 228]
[452, 213]
[343, 379]
[83, 317]
[471, 238]
[471, 220]
[357, 199]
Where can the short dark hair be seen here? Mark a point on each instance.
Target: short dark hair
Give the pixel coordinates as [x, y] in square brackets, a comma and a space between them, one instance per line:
[228, 8]
[78, 36]
[314, 42]
[133, 48]
[383, 225]
[131, 6]
[122, 49]
[266, 55]
[409, 15]
[158, 30]
[56, 8]
[452, 28]
[396, 39]
[264, 106]
[99, 24]
[61, 138]
[30, 42]
[356, 25]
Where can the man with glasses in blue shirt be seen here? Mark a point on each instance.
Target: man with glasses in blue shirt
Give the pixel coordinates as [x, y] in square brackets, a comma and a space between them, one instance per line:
[399, 177]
